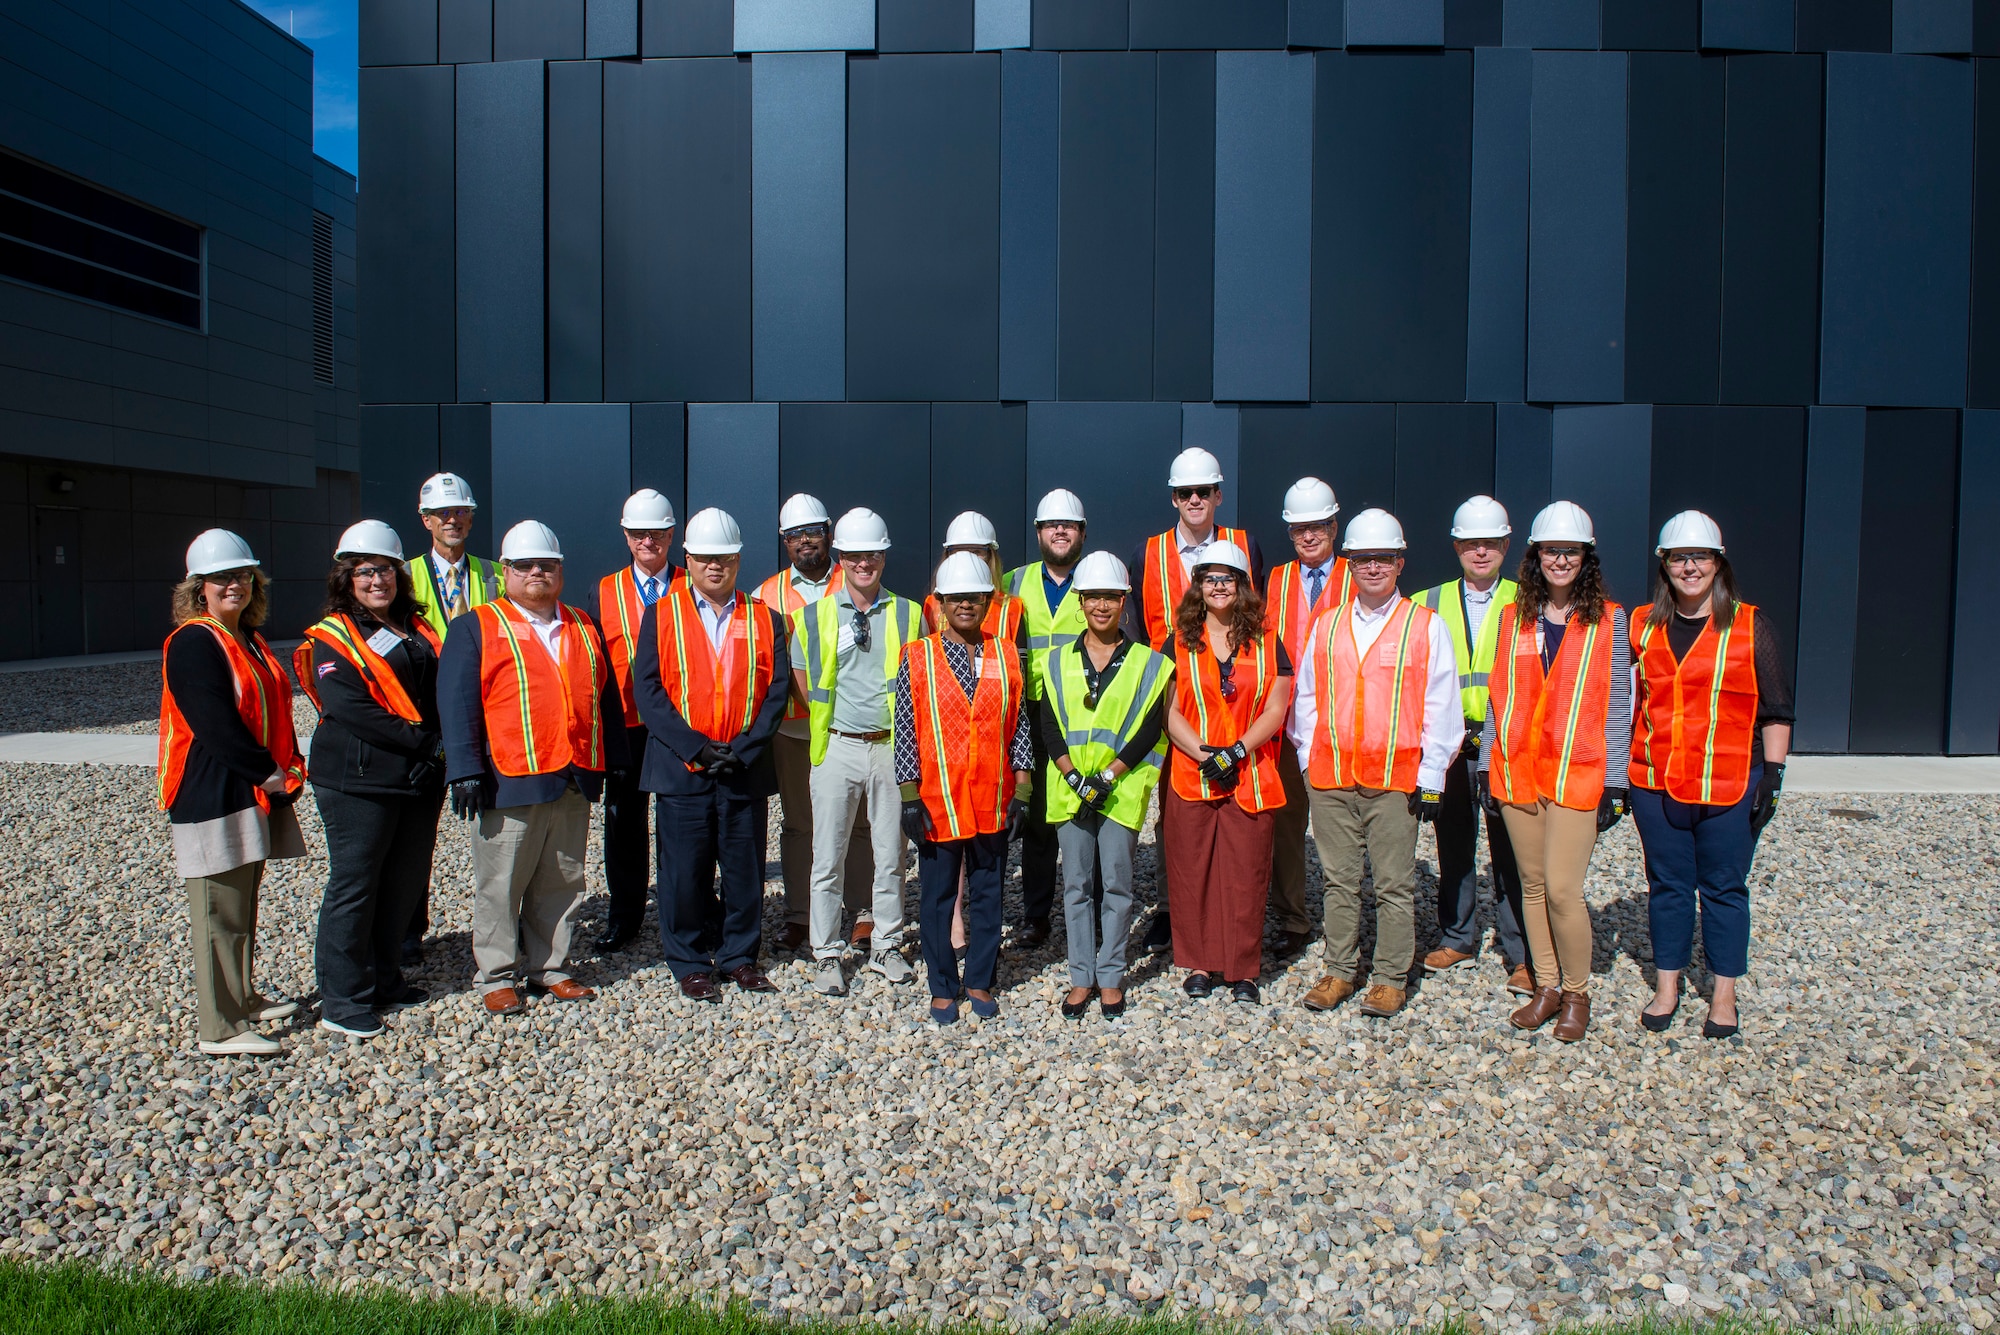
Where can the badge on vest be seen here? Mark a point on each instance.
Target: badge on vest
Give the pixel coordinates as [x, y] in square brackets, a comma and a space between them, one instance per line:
[383, 640]
[1385, 652]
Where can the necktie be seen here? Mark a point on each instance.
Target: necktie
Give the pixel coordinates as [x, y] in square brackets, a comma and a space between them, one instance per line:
[455, 593]
[1317, 580]
[651, 591]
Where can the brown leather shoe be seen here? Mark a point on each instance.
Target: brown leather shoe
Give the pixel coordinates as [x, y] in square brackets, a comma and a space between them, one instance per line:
[862, 933]
[792, 937]
[1329, 992]
[751, 979]
[1574, 1017]
[568, 989]
[700, 987]
[1521, 982]
[1541, 1008]
[504, 1001]
[1383, 1000]
[1444, 957]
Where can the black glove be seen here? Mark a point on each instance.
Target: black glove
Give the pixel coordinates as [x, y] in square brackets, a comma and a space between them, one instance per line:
[468, 798]
[1765, 804]
[716, 758]
[1424, 804]
[423, 774]
[1222, 768]
[1610, 808]
[1487, 802]
[1017, 818]
[1090, 789]
[916, 821]
[1473, 733]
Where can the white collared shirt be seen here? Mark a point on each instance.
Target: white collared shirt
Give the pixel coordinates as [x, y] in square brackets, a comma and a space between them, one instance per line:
[715, 618]
[1444, 717]
[639, 578]
[548, 632]
[1189, 546]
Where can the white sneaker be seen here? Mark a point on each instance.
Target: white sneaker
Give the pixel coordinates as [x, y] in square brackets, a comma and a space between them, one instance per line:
[829, 980]
[369, 1028]
[249, 1043]
[891, 965]
[266, 1009]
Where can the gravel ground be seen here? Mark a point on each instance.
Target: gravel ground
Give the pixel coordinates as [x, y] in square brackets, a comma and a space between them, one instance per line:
[114, 697]
[1837, 1161]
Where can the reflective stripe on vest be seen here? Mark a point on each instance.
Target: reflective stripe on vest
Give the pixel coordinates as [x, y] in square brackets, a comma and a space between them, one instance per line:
[1371, 704]
[1142, 678]
[1220, 722]
[1474, 661]
[1164, 579]
[1002, 619]
[540, 718]
[620, 609]
[819, 625]
[263, 700]
[717, 693]
[1549, 727]
[483, 579]
[963, 744]
[343, 637]
[1048, 629]
[1285, 595]
[1695, 720]
[778, 592]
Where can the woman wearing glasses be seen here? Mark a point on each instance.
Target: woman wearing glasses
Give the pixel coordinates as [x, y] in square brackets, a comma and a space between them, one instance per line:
[1558, 727]
[1234, 684]
[229, 773]
[371, 665]
[1711, 727]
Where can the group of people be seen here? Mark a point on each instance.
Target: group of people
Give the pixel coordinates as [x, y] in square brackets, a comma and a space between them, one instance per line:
[1058, 704]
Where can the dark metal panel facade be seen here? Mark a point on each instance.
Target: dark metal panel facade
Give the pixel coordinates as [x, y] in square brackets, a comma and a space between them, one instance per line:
[1030, 168]
[1444, 454]
[1576, 227]
[1184, 223]
[576, 231]
[406, 243]
[872, 454]
[1673, 278]
[500, 277]
[1830, 555]
[1104, 245]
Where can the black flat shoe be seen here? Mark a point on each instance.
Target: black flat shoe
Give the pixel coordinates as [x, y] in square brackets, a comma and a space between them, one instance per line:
[1077, 1010]
[1111, 1010]
[614, 939]
[1710, 1029]
[1198, 986]
[1246, 992]
[1659, 1024]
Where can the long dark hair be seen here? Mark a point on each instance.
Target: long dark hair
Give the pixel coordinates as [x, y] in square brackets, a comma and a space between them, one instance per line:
[1586, 595]
[340, 599]
[1722, 595]
[1246, 620]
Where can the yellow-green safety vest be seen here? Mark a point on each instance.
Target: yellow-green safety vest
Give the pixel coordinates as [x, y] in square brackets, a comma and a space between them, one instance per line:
[487, 583]
[818, 623]
[1096, 736]
[1046, 630]
[1474, 661]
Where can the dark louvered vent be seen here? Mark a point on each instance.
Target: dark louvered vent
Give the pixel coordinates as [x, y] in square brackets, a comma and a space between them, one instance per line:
[322, 299]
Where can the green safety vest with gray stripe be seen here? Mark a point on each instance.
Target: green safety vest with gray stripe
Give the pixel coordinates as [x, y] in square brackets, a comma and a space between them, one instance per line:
[1130, 695]
[1046, 630]
[1475, 662]
[818, 624]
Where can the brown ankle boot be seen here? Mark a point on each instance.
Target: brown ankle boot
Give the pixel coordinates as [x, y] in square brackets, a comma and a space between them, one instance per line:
[1540, 1008]
[1575, 1017]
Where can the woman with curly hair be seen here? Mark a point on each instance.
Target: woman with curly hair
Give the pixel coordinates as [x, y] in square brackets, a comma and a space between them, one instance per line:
[1234, 684]
[1558, 727]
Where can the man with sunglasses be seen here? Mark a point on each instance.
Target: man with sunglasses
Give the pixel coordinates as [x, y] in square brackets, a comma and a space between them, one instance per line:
[846, 650]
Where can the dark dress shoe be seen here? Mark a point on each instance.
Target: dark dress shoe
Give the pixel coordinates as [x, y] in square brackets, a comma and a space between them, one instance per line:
[1246, 992]
[1159, 934]
[1076, 1010]
[700, 987]
[1110, 1010]
[1710, 1029]
[751, 979]
[413, 950]
[613, 939]
[1033, 933]
[792, 938]
[1198, 986]
[1290, 943]
[1659, 1024]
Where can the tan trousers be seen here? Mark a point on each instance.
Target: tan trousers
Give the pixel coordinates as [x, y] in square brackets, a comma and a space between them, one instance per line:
[1288, 846]
[1348, 822]
[527, 868]
[1552, 847]
[793, 757]
[222, 917]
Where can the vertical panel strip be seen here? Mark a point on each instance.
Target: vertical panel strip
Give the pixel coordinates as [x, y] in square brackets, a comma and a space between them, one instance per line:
[576, 231]
[1496, 342]
[1263, 224]
[1184, 222]
[732, 462]
[1835, 447]
[1576, 227]
[805, 25]
[1975, 644]
[500, 280]
[1030, 99]
[610, 29]
[406, 306]
[798, 210]
[1602, 458]
[1522, 446]
[1217, 428]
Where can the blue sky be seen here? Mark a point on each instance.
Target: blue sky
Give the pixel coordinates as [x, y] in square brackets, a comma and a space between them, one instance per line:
[328, 27]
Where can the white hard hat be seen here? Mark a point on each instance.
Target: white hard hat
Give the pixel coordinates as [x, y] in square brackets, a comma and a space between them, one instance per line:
[646, 508]
[216, 550]
[712, 533]
[964, 572]
[1060, 504]
[971, 529]
[861, 530]
[1481, 517]
[1692, 530]
[1562, 521]
[801, 510]
[444, 491]
[529, 540]
[1194, 467]
[370, 537]
[1100, 571]
[1373, 530]
[1308, 501]
[1220, 554]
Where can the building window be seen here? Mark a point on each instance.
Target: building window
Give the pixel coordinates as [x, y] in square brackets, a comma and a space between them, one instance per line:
[61, 233]
[322, 298]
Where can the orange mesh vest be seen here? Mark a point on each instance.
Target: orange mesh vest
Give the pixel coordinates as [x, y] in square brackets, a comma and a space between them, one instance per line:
[1550, 728]
[778, 592]
[1371, 705]
[339, 633]
[541, 718]
[1002, 619]
[263, 698]
[1163, 581]
[620, 609]
[963, 745]
[1285, 596]
[1694, 720]
[1198, 697]
[718, 692]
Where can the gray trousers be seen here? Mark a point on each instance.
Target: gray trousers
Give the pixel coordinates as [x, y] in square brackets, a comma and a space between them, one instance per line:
[793, 758]
[222, 921]
[1097, 933]
[527, 868]
[854, 776]
[1346, 823]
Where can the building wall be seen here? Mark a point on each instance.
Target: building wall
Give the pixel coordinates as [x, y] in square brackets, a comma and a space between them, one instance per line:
[945, 256]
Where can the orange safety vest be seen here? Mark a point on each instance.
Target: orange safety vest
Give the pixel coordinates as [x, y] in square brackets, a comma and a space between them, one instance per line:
[1163, 581]
[620, 608]
[1220, 722]
[339, 633]
[963, 745]
[1550, 728]
[1371, 714]
[1285, 596]
[263, 698]
[541, 718]
[717, 692]
[1002, 619]
[778, 592]
[1695, 719]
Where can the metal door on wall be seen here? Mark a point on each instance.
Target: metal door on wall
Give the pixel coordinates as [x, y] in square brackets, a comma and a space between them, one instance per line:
[58, 582]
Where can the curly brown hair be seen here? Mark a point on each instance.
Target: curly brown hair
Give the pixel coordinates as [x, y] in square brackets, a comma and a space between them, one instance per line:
[1246, 621]
[190, 602]
[1586, 597]
[340, 599]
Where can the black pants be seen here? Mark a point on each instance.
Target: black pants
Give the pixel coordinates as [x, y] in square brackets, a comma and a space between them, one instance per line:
[628, 864]
[701, 834]
[1038, 852]
[1458, 872]
[983, 859]
[378, 851]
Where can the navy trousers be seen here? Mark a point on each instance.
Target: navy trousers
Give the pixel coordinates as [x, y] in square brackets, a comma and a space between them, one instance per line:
[699, 836]
[984, 859]
[1698, 864]
[625, 869]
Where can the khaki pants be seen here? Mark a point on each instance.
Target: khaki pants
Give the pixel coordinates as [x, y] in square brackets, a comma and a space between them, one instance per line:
[1552, 847]
[856, 776]
[1288, 846]
[222, 919]
[1348, 822]
[527, 867]
[793, 757]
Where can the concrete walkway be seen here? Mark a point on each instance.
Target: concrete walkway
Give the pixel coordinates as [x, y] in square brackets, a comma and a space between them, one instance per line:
[80, 748]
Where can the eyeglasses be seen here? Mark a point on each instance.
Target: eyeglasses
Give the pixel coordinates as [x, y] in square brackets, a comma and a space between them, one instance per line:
[222, 579]
[1219, 580]
[1695, 560]
[1226, 670]
[450, 512]
[1362, 560]
[962, 598]
[659, 535]
[1193, 493]
[1070, 524]
[372, 572]
[1101, 599]
[863, 558]
[1316, 526]
[537, 565]
[1562, 553]
[862, 638]
[803, 531]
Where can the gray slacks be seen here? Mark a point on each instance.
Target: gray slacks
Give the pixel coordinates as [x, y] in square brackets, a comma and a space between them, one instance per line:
[1097, 932]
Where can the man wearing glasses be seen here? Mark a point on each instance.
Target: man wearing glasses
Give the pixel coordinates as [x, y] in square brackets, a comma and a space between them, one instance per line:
[846, 650]
[445, 581]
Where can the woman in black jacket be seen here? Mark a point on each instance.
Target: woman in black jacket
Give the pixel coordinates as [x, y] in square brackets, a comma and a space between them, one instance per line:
[377, 775]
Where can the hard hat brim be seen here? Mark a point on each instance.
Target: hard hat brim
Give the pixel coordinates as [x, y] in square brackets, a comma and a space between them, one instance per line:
[713, 549]
[1487, 531]
[1309, 516]
[216, 567]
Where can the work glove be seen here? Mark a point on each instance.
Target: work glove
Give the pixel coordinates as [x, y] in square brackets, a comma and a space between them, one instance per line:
[1487, 802]
[1424, 804]
[1765, 804]
[423, 773]
[1610, 808]
[1017, 818]
[716, 758]
[1473, 735]
[1090, 789]
[1222, 768]
[468, 799]
[916, 821]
